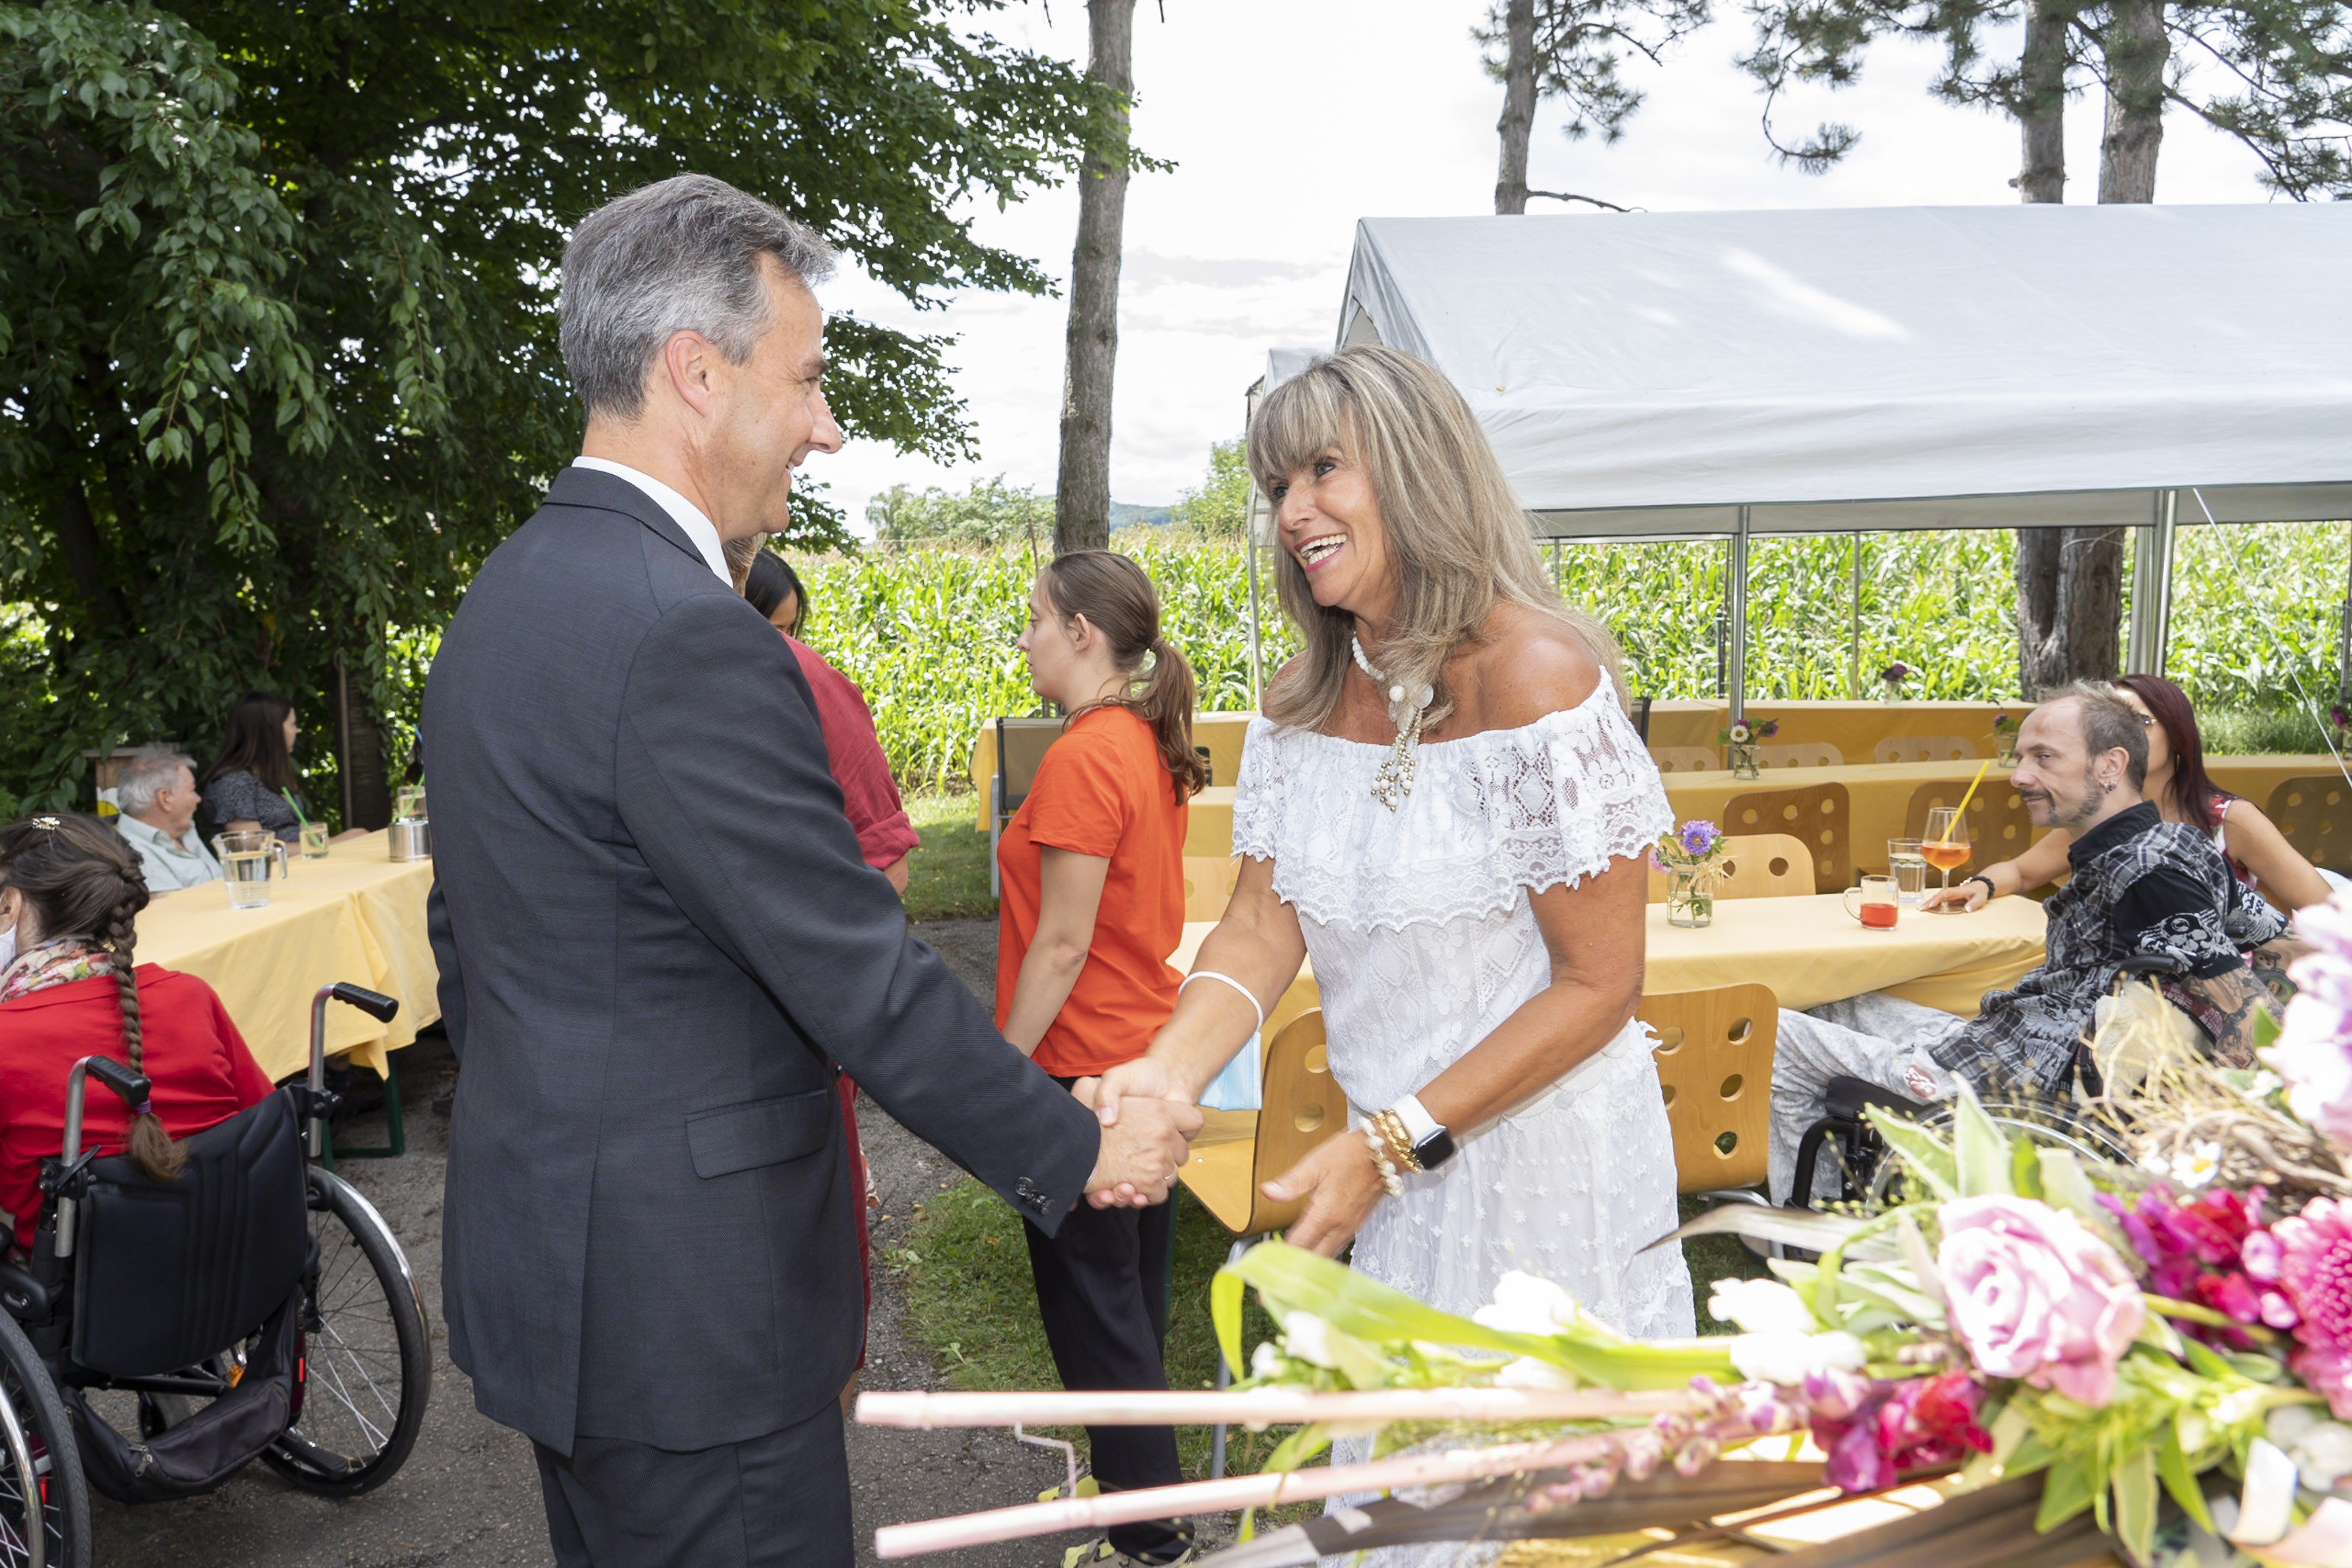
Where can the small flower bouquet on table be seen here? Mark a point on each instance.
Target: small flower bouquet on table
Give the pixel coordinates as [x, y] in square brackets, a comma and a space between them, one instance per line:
[1890, 682]
[2136, 1326]
[1692, 858]
[2004, 736]
[1740, 742]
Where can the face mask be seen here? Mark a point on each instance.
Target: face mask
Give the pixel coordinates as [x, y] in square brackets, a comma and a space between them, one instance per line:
[7, 947]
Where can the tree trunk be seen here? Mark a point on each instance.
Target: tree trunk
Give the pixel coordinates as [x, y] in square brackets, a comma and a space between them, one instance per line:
[1082, 491]
[78, 536]
[1518, 105]
[2136, 48]
[2041, 104]
[359, 753]
[2070, 584]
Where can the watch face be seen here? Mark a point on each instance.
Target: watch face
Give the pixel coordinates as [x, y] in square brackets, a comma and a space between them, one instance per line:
[1434, 1149]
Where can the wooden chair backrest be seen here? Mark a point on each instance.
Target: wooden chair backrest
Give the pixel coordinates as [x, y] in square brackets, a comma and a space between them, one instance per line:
[1999, 828]
[1209, 885]
[1686, 759]
[1799, 754]
[2315, 812]
[1303, 1106]
[1820, 816]
[1763, 865]
[1714, 1065]
[1021, 745]
[1923, 749]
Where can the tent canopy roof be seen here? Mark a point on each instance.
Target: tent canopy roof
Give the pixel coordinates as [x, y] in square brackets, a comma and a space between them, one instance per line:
[1649, 373]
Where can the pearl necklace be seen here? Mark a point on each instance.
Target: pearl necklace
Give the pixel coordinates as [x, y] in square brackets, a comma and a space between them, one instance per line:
[1394, 781]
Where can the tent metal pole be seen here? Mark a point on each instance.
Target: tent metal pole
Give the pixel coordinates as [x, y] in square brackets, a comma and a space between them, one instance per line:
[2344, 642]
[1853, 648]
[1737, 677]
[1249, 530]
[2151, 607]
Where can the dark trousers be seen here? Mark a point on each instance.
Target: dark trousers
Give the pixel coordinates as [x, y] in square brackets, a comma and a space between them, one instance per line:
[1102, 1289]
[779, 1499]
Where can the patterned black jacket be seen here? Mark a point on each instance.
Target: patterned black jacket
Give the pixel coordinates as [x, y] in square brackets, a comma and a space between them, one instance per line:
[2141, 886]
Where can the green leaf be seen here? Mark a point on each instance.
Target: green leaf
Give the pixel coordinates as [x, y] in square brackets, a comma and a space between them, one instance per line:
[1792, 1227]
[1980, 1153]
[1226, 1291]
[2134, 1491]
[1926, 1155]
[2070, 1489]
[2179, 1481]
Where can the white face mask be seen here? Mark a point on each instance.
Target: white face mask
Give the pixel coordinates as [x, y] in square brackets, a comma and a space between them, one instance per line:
[7, 947]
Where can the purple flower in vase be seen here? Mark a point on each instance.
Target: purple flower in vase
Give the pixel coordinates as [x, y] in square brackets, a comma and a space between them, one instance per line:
[1698, 839]
[1894, 672]
[1767, 730]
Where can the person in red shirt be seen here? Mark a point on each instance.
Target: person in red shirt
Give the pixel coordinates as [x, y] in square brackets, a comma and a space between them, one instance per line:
[70, 893]
[1093, 875]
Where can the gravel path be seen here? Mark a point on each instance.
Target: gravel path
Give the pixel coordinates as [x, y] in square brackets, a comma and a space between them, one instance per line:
[468, 1496]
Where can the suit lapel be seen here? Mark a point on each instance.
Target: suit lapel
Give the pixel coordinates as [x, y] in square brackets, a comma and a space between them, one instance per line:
[610, 492]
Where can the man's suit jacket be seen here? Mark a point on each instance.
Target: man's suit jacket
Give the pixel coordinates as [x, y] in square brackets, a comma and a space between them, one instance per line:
[656, 939]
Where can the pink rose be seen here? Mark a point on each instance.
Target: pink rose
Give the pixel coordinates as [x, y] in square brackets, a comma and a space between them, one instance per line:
[2032, 1294]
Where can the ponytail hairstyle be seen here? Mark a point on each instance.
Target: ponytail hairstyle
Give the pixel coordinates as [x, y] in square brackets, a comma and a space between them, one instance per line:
[79, 879]
[1117, 598]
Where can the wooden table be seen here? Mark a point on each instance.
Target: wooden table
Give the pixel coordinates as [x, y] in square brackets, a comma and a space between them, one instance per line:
[1220, 732]
[1808, 949]
[354, 915]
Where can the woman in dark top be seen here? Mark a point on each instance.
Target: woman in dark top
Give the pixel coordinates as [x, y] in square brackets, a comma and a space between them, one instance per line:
[251, 785]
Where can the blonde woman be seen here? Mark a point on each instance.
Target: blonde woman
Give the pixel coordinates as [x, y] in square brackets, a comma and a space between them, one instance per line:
[1446, 807]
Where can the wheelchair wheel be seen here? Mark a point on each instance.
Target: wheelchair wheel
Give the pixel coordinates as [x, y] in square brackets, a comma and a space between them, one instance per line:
[368, 1351]
[44, 1500]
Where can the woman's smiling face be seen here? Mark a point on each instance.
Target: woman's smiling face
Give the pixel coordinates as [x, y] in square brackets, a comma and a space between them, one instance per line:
[1329, 522]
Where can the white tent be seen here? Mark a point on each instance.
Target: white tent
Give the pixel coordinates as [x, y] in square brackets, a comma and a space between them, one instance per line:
[1663, 374]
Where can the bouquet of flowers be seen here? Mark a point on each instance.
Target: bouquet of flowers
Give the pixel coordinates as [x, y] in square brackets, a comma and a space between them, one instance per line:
[1692, 856]
[1743, 734]
[1891, 679]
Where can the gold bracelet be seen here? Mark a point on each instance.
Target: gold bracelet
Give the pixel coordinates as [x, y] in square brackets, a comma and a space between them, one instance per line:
[1393, 1128]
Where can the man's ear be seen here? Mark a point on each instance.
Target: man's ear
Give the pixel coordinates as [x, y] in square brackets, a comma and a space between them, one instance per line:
[689, 361]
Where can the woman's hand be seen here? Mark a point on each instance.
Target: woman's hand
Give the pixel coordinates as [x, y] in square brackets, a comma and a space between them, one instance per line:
[1340, 1186]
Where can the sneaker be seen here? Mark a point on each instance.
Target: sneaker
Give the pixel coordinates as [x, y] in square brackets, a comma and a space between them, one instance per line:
[1103, 1554]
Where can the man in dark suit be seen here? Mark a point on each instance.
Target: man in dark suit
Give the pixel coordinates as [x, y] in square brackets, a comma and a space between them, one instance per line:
[658, 943]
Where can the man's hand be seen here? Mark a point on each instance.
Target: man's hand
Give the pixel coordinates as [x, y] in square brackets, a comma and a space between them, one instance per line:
[1141, 1155]
[1144, 1077]
[1970, 896]
[1340, 1186]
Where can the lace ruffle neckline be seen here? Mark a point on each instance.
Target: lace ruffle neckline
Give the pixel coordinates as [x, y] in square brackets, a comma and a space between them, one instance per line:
[1490, 815]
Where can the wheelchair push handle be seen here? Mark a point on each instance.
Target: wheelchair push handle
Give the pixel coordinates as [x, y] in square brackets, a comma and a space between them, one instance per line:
[376, 1005]
[129, 1086]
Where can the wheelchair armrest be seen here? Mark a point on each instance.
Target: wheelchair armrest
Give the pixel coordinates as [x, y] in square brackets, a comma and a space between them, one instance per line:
[2148, 963]
[1848, 1097]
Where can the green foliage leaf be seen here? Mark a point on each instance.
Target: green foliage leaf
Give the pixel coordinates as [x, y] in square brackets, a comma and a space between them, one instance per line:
[1979, 1152]
[1927, 1157]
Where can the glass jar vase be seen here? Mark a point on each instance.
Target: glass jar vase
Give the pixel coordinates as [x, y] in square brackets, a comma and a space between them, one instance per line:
[1745, 761]
[1690, 896]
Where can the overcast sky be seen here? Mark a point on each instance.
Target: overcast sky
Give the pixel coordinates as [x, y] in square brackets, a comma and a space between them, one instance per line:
[1289, 119]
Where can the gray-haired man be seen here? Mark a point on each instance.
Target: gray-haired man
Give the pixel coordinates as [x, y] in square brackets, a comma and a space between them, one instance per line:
[2139, 887]
[156, 794]
[659, 945]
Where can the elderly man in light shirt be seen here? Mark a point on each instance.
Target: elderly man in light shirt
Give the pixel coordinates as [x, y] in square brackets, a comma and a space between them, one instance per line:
[156, 792]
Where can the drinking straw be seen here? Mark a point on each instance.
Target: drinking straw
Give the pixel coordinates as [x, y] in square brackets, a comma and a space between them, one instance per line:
[295, 809]
[1956, 818]
[1261, 1407]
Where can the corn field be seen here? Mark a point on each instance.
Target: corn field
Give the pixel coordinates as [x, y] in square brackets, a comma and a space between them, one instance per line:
[929, 634]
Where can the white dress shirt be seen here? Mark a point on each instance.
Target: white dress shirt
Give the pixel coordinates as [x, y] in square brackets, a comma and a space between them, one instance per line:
[700, 531]
[170, 863]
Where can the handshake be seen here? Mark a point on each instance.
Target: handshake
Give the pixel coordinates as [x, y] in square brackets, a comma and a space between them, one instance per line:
[1148, 1123]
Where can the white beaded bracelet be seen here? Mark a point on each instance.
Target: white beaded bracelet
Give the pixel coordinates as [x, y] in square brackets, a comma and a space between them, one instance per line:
[1213, 975]
[1390, 1183]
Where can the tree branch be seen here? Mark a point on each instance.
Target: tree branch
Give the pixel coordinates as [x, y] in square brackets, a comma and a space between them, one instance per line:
[1572, 196]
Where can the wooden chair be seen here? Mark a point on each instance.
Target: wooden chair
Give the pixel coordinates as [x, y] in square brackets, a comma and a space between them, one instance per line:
[1209, 885]
[1686, 759]
[1238, 1151]
[1714, 1065]
[1999, 828]
[2315, 812]
[1021, 745]
[1819, 815]
[1923, 749]
[1800, 754]
[1763, 866]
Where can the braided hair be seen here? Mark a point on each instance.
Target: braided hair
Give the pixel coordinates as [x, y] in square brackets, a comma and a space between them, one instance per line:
[79, 879]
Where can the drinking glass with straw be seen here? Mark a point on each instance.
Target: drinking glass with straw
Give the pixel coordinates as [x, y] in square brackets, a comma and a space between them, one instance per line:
[1945, 843]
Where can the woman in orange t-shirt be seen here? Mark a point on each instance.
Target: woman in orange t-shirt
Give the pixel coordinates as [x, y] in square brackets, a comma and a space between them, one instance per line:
[1093, 903]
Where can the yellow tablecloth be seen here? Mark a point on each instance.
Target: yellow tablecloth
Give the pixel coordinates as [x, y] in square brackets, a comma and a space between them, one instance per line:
[354, 915]
[1881, 792]
[1808, 949]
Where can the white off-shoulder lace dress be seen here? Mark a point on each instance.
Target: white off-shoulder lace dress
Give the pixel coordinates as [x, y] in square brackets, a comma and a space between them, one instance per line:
[1424, 942]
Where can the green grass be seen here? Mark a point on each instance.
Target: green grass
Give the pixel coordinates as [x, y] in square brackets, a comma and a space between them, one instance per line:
[971, 1303]
[947, 874]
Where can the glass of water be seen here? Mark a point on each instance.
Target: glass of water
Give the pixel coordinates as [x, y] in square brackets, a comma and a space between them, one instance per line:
[1908, 866]
[245, 861]
[314, 840]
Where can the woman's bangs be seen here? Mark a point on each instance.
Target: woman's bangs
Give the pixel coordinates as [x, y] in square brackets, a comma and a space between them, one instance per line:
[1299, 421]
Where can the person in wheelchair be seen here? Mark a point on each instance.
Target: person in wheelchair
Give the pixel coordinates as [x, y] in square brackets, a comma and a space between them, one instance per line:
[2143, 888]
[70, 891]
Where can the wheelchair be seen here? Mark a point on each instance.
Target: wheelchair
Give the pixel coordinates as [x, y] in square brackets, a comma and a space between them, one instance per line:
[2055, 1121]
[166, 1334]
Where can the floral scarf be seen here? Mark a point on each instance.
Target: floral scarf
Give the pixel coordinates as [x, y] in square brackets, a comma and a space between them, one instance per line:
[53, 962]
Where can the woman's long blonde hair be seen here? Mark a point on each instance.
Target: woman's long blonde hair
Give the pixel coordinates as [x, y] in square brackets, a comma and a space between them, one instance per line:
[1458, 535]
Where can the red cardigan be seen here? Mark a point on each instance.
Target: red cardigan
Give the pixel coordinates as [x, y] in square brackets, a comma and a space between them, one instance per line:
[192, 1055]
[869, 797]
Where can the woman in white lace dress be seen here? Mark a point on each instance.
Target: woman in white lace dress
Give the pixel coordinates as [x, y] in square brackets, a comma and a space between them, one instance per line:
[1447, 807]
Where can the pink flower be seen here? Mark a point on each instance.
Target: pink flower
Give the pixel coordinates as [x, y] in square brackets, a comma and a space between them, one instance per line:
[2314, 1053]
[2032, 1294]
[2315, 1271]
